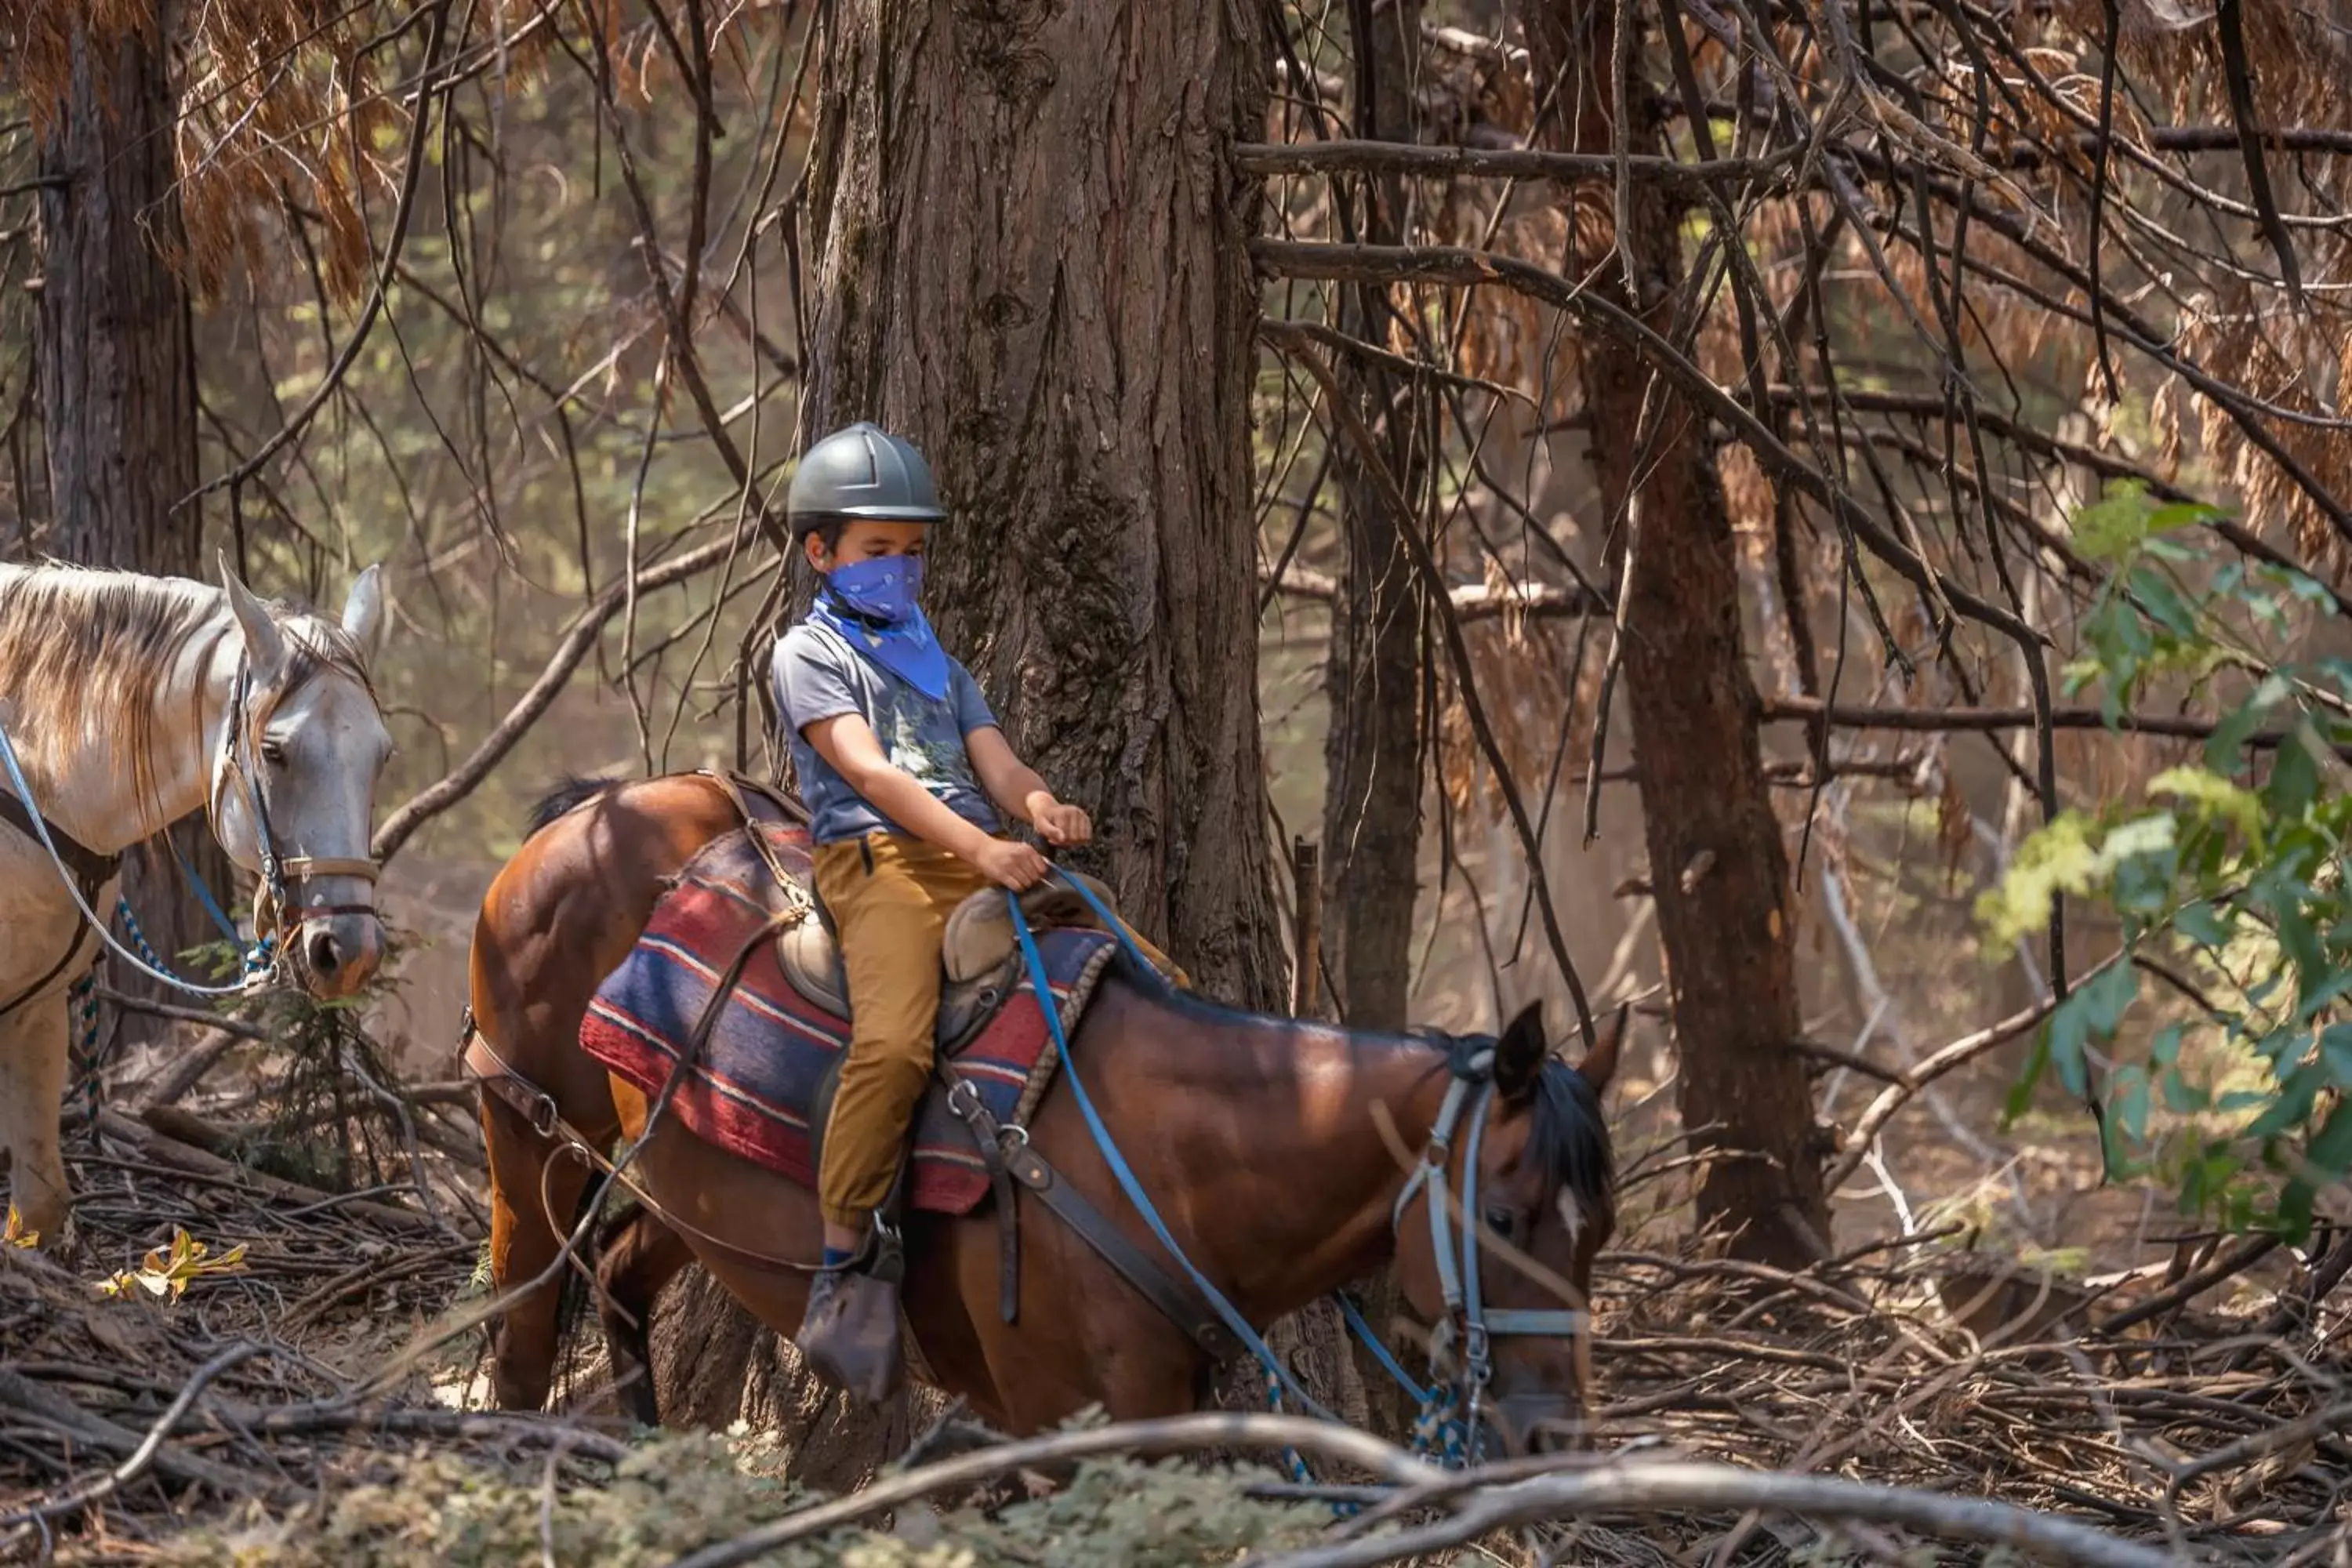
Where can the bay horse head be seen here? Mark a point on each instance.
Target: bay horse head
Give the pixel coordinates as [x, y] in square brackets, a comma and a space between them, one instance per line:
[1498, 1229]
[294, 777]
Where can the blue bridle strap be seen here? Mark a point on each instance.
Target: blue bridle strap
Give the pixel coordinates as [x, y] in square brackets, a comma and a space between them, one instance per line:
[1471, 1090]
[1120, 1168]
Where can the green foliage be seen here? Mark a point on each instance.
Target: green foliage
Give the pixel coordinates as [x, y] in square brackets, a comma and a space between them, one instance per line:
[682, 1491]
[2228, 881]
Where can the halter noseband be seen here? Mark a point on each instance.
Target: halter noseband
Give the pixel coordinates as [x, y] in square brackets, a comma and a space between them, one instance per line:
[1467, 1314]
[280, 874]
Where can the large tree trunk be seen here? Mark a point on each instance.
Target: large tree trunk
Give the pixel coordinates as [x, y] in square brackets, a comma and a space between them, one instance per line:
[1717, 866]
[118, 379]
[1029, 257]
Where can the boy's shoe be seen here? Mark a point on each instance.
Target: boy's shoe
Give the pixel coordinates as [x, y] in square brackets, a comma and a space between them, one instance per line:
[849, 1335]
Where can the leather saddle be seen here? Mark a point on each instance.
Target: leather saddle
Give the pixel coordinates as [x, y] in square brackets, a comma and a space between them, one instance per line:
[980, 957]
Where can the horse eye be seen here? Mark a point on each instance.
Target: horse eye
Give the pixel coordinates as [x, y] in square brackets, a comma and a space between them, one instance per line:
[1501, 1220]
[273, 752]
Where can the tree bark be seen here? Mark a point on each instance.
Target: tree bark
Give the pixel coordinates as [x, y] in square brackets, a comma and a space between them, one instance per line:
[1717, 861]
[118, 383]
[1029, 257]
[1371, 801]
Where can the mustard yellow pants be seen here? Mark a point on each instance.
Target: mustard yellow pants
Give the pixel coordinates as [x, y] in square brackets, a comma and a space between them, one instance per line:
[889, 895]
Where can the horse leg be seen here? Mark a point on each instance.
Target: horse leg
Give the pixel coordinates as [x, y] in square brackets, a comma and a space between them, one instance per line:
[1083, 1335]
[33, 1059]
[535, 1191]
[638, 1256]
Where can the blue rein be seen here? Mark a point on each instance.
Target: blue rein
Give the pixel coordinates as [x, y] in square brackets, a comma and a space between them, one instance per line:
[1438, 1432]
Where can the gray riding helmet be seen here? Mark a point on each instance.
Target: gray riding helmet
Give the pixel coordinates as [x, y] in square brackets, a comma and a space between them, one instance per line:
[862, 471]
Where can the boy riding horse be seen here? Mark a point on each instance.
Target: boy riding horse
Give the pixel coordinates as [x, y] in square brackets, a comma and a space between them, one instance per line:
[904, 772]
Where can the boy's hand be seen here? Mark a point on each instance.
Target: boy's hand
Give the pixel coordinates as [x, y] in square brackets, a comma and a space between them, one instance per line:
[1011, 864]
[1058, 824]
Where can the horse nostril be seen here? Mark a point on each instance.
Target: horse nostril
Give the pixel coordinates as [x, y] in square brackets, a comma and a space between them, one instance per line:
[325, 957]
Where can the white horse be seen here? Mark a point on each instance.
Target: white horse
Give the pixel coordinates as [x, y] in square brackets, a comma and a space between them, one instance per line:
[132, 701]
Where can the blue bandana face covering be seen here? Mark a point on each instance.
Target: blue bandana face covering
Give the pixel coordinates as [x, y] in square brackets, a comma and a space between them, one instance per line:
[884, 621]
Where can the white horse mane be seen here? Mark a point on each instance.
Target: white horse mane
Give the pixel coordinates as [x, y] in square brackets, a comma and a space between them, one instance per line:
[88, 654]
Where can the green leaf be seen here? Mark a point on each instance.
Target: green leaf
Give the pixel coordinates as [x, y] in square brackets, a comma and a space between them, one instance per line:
[2182, 1098]
[2161, 601]
[2331, 1147]
[2069, 1032]
[2106, 996]
[2029, 1078]
[2336, 1051]
[2294, 783]
[2327, 991]
[2183, 514]
[2128, 1100]
[2292, 1107]
[2224, 746]
[2200, 923]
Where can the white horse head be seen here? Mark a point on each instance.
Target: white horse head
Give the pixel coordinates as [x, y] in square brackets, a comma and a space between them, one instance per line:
[293, 784]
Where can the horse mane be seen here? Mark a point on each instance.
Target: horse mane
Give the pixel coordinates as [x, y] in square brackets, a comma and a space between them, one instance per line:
[1568, 1136]
[84, 651]
[87, 650]
[572, 792]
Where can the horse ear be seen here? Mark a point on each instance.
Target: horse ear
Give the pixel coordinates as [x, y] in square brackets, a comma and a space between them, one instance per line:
[363, 611]
[1519, 1052]
[1600, 1063]
[264, 647]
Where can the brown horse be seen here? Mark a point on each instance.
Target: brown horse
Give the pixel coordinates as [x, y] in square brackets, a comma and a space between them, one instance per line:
[1258, 1138]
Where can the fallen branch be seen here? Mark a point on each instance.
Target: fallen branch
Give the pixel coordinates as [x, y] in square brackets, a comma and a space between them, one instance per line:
[1175, 1435]
[149, 1448]
[49, 1408]
[2231, 1263]
[168, 1152]
[187, 1070]
[1674, 1485]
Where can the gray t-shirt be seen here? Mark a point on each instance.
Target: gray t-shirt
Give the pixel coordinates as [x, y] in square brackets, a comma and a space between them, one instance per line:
[819, 675]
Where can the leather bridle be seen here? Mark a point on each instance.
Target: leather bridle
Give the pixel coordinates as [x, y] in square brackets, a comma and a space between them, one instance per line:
[275, 918]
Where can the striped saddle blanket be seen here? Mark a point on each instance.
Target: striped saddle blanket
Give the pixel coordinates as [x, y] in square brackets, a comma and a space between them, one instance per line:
[750, 1088]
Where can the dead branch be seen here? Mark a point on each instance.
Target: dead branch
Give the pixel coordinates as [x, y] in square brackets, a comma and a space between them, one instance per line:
[1660, 1486]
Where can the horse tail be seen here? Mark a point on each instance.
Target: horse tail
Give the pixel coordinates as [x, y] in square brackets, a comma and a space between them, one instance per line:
[575, 1301]
[573, 790]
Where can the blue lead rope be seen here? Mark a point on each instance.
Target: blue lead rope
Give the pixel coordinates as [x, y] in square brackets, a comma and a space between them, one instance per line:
[1438, 1433]
[1120, 1168]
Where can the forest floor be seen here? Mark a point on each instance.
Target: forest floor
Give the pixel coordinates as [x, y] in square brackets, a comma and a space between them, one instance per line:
[307, 1390]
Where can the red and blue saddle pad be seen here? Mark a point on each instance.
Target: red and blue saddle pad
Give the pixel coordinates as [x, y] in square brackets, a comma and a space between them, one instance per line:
[750, 1089]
